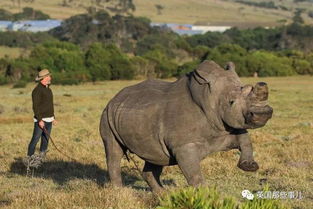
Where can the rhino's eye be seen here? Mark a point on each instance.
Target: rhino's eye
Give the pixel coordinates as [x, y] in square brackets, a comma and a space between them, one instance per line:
[231, 102]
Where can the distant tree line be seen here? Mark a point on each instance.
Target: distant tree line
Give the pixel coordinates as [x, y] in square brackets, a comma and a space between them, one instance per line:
[27, 13]
[95, 47]
[262, 4]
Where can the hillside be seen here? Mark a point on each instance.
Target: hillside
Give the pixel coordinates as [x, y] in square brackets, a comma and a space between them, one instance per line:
[214, 12]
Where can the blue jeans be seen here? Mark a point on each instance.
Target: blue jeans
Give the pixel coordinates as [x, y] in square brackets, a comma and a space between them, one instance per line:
[39, 133]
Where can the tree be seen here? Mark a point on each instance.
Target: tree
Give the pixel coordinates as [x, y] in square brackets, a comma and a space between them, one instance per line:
[5, 15]
[159, 7]
[297, 16]
[20, 1]
[120, 65]
[65, 60]
[97, 62]
[115, 6]
[29, 13]
[164, 66]
[230, 52]
[269, 64]
[86, 29]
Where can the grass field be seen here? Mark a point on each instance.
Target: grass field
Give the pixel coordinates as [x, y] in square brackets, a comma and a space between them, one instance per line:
[215, 12]
[283, 149]
[12, 52]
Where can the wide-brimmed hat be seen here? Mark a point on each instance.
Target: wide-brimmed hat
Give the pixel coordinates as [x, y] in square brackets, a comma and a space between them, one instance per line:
[43, 73]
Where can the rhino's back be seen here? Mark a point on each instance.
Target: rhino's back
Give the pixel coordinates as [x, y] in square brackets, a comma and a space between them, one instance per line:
[145, 91]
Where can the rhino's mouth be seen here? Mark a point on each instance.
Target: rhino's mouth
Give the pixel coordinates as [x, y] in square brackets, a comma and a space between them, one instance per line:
[258, 116]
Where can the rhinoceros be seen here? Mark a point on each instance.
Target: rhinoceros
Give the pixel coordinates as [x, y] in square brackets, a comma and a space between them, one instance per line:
[181, 122]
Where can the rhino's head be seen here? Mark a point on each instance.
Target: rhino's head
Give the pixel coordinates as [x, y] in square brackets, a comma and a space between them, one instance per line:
[246, 107]
[237, 106]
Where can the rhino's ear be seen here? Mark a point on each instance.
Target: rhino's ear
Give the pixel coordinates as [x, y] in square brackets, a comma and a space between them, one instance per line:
[206, 72]
[246, 90]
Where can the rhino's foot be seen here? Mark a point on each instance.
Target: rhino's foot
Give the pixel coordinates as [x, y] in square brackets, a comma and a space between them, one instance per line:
[248, 165]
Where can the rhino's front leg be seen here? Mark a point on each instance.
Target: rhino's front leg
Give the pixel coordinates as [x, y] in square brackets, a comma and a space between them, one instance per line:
[187, 157]
[246, 161]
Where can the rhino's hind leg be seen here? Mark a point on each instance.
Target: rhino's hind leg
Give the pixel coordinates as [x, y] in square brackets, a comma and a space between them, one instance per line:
[151, 174]
[114, 153]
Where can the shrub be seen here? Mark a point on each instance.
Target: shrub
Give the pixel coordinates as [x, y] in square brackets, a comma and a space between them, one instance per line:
[97, 60]
[23, 39]
[29, 13]
[164, 67]
[165, 42]
[5, 15]
[66, 79]
[196, 198]
[269, 64]
[59, 57]
[143, 67]
[3, 80]
[210, 198]
[121, 68]
[302, 66]
[187, 67]
[230, 52]
[262, 204]
[20, 84]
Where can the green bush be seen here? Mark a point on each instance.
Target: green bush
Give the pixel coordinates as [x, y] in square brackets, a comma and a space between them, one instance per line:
[60, 57]
[166, 42]
[29, 13]
[23, 39]
[302, 66]
[187, 67]
[210, 198]
[196, 198]
[164, 66]
[3, 80]
[120, 65]
[262, 204]
[5, 15]
[230, 52]
[269, 64]
[65, 79]
[20, 84]
[143, 67]
[97, 62]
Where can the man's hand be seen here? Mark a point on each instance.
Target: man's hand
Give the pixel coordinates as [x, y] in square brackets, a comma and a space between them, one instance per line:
[54, 122]
[41, 124]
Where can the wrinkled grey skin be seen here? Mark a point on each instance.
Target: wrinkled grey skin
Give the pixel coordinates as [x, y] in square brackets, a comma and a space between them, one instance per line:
[181, 122]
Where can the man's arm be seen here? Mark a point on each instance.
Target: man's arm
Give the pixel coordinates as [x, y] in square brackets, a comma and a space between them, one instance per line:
[36, 97]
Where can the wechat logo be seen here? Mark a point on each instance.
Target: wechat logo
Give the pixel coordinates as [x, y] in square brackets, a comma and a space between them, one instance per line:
[247, 194]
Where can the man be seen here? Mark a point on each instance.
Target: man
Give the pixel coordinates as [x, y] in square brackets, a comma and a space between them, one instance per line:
[43, 113]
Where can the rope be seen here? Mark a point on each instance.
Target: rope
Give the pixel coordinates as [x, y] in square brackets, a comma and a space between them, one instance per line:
[46, 132]
[128, 157]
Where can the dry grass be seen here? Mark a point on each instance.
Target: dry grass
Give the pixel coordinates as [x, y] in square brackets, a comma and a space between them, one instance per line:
[187, 11]
[282, 148]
